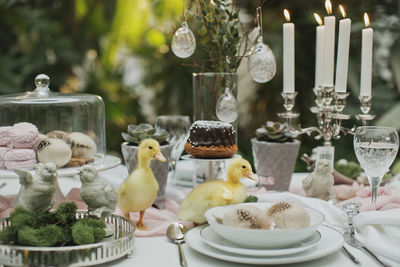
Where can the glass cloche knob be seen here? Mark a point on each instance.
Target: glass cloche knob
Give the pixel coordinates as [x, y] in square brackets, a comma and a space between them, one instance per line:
[42, 81]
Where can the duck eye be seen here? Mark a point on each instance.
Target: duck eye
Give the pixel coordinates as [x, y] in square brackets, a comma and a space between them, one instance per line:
[150, 147]
[243, 167]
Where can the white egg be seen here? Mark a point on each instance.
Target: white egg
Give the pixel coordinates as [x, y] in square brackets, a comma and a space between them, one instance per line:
[82, 145]
[53, 150]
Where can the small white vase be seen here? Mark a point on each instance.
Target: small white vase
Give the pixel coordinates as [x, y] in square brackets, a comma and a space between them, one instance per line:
[274, 163]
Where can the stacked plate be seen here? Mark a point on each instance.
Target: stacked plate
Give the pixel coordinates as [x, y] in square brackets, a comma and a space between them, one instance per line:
[323, 242]
[263, 246]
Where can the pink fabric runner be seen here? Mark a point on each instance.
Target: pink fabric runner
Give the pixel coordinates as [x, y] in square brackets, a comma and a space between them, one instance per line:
[157, 220]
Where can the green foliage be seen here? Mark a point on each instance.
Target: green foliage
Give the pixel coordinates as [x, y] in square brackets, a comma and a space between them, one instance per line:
[82, 234]
[8, 235]
[350, 169]
[137, 133]
[58, 228]
[22, 217]
[220, 35]
[395, 167]
[88, 230]
[250, 198]
[66, 213]
[45, 236]
[93, 222]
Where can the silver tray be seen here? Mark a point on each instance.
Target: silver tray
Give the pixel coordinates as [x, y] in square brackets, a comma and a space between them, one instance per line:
[112, 248]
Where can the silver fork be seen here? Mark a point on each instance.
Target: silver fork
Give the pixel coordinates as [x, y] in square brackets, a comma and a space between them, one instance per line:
[352, 208]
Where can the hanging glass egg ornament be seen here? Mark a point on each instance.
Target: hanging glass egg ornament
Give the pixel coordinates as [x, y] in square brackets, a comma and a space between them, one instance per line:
[227, 107]
[261, 63]
[183, 42]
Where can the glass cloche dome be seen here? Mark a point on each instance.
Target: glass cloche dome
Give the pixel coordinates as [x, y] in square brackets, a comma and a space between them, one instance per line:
[76, 119]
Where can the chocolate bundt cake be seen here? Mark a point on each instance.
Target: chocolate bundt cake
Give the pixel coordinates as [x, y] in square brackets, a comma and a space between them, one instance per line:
[211, 139]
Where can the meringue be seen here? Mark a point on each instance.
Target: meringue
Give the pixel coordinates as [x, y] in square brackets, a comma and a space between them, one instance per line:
[19, 159]
[246, 217]
[5, 136]
[53, 150]
[288, 215]
[82, 145]
[23, 135]
[3, 151]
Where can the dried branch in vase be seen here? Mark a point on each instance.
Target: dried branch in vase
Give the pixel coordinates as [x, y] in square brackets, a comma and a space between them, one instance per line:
[222, 38]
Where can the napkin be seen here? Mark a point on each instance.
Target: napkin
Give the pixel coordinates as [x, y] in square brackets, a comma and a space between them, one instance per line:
[377, 230]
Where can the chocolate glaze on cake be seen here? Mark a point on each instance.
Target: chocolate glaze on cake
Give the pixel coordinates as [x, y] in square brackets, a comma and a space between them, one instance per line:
[211, 133]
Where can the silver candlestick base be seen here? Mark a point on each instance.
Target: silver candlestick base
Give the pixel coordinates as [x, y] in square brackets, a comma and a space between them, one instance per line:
[289, 102]
[365, 107]
[329, 106]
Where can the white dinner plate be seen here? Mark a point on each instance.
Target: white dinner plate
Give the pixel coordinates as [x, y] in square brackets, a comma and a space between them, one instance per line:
[108, 163]
[213, 239]
[330, 242]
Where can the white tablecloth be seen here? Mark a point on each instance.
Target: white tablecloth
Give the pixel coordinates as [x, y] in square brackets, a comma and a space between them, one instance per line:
[158, 251]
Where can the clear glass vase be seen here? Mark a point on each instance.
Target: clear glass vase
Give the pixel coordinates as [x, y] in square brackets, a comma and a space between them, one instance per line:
[208, 87]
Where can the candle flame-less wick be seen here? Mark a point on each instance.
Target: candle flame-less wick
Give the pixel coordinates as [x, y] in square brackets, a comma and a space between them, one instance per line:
[328, 7]
[318, 18]
[286, 14]
[366, 20]
[342, 11]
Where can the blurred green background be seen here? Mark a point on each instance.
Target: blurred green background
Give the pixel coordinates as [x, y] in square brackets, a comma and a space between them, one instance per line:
[120, 50]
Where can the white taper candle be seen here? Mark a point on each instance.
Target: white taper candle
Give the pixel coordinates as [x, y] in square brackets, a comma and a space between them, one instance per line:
[342, 60]
[329, 47]
[319, 52]
[366, 59]
[288, 55]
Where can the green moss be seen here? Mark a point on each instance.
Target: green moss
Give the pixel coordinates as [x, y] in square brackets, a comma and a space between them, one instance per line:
[47, 229]
[82, 234]
[8, 234]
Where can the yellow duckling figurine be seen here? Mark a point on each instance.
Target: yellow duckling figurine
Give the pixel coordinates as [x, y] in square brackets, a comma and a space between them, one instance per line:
[217, 192]
[139, 190]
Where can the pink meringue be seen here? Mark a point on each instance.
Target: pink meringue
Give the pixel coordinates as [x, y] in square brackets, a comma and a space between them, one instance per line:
[3, 151]
[5, 136]
[19, 159]
[24, 135]
[24, 164]
[19, 155]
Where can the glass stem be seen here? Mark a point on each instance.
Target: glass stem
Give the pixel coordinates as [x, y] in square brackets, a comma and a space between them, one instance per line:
[374, 182]
[173, 170]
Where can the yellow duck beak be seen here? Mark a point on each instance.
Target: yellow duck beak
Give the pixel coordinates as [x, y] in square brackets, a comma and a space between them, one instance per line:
[252, 176]
[160, 157]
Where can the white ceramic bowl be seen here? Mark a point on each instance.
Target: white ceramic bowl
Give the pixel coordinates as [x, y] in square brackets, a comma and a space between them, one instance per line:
[261, 238]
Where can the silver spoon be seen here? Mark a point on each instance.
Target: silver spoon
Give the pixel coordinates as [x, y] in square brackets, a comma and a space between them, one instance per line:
[176, 234]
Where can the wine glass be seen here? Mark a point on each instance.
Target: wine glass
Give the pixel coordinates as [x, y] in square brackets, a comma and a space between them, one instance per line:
[376, 148]
[178, 128]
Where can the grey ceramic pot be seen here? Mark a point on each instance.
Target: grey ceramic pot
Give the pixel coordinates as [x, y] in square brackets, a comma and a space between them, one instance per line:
[160, 169]
[274, 163]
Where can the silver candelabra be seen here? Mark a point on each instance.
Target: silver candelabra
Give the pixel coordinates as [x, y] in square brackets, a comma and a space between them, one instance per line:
[328, 109]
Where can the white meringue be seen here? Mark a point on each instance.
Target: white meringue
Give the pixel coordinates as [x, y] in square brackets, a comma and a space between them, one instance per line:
[246, 217]
[288, 215]
[82, 145]
[53, 150]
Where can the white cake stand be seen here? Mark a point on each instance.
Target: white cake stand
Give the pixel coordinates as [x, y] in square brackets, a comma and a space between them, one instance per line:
[208, 169]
